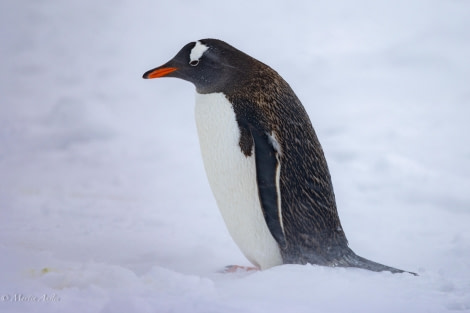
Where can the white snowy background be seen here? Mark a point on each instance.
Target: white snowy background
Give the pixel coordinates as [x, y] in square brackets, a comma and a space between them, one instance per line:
[104, 203]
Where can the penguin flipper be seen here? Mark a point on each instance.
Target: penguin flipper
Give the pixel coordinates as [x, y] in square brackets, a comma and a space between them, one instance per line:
[267, 177]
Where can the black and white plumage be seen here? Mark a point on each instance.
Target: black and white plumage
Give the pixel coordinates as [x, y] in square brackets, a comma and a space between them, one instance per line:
[264, 163]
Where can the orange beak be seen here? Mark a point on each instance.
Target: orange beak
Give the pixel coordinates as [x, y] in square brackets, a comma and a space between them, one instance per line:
[159, 72]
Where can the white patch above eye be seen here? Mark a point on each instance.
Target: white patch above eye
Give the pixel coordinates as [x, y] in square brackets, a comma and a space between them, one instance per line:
[197, 51]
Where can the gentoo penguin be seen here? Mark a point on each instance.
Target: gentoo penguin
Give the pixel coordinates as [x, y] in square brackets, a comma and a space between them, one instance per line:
[263, 160]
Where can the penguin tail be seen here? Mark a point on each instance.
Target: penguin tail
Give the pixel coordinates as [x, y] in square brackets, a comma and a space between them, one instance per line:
[351, 259]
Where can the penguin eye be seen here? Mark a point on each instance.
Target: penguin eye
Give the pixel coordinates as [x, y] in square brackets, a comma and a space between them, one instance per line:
[194, 63]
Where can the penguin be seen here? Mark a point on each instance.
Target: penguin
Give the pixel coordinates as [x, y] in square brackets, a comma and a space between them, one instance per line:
[263, 160]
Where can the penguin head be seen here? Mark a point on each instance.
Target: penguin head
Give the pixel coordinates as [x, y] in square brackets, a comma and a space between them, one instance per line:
[209, 64]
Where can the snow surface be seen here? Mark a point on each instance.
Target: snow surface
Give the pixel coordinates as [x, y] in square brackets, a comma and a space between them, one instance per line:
[104, 203]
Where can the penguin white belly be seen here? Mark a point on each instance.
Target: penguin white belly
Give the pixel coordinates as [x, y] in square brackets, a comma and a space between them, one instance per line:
[232, 177]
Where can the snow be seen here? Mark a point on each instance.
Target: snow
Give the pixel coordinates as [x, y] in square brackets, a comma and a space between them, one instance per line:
[104, 202]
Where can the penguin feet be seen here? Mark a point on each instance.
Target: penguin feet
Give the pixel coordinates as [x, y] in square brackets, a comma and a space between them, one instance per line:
[239, 268]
